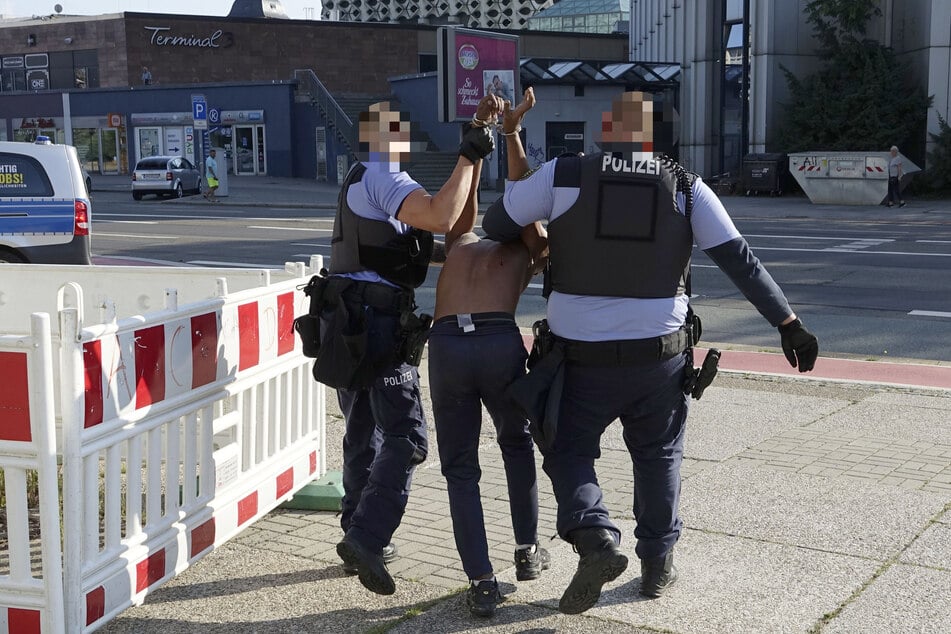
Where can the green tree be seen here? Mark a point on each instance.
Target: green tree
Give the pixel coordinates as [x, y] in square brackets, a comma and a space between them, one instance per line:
[938, 175]
[862, 98]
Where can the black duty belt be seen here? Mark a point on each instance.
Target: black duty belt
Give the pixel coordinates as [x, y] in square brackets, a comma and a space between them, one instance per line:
[468, 321]
[374, 294]
[626, 351]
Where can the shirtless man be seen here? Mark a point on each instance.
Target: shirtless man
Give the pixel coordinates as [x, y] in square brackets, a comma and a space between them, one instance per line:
[475, 351]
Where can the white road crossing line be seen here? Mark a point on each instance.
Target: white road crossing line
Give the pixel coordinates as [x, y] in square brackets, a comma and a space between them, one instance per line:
[930, 313]
[836, 250]
[837, 239]
[536, 286]
[313, 246]
[126, 222]
[237, 265]
[287, 228]
[935, 241]
[99, 234]
[704, 266]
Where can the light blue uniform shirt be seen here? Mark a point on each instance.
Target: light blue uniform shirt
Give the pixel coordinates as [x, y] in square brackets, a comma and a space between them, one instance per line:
[378, 196]
[594, 318]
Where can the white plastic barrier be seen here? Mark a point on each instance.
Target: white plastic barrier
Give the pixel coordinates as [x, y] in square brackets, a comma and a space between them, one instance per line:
[177, 428]
[845, 178]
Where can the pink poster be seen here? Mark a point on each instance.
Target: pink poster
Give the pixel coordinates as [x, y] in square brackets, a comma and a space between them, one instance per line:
[483, 65]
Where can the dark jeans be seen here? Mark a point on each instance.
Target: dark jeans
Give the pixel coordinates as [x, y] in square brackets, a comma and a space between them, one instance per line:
[465, 371]
[649, 400]
[894, 190]
[384, 440]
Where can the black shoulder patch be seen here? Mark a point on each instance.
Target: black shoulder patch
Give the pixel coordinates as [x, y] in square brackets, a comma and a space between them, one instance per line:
[567, 172]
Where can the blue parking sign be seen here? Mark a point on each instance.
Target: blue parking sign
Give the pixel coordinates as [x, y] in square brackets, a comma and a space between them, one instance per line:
[200, 112]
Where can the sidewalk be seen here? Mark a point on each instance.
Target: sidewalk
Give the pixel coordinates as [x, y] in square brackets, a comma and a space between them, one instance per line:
[809, 505]
[816, 503]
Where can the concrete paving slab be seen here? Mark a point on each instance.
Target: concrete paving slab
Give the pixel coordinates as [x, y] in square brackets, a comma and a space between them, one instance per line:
[727, 421]
[829, 514]
[908, 417]
[731, 584]
[904, 599]
[226, 592]
[932, 548]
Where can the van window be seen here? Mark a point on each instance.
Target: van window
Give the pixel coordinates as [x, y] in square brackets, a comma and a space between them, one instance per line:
[23, 176]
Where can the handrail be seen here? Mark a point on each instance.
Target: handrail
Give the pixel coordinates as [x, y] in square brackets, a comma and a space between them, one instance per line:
[336, 117]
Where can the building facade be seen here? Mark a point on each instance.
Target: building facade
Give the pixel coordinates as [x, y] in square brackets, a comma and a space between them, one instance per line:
[81, 81]
[731, 53]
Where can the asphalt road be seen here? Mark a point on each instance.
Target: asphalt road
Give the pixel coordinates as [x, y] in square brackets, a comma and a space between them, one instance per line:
[871, 288]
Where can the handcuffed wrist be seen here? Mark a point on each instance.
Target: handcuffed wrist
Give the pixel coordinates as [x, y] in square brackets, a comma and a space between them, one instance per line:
[479, 123]
[517, 129]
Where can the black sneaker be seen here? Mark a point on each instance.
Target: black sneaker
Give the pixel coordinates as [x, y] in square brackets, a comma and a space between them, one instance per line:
[901, 204]
[389, 555]
[529, 565]
[370, 566]
[484, 598]
[657, 574]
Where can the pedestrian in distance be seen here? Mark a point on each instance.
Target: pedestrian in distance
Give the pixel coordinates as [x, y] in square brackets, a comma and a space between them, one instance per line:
[365, 335]
[475, 351]
[146, 76]
[618, 343]
[895, 172]
[211, 176]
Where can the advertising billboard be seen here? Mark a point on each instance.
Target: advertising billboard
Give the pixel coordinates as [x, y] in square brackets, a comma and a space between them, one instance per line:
[472, 64]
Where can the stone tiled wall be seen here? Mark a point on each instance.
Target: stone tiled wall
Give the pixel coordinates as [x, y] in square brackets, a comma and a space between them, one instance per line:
[347, 57]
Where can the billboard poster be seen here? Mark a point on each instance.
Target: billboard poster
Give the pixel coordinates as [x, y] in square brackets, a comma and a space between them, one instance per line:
[472, 64]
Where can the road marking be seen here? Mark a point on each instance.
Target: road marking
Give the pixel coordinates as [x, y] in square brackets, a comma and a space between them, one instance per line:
[536, 286]
[929, 313]
[287, 228]
[127, 222]
[315, 246]
[98, 234]
[838, 239]
[834, 250]
[239, 265]
[935, 241]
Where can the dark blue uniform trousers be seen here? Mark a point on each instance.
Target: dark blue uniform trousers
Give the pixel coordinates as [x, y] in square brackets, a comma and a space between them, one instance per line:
[649, 400]
[466, 370]
[384, 440]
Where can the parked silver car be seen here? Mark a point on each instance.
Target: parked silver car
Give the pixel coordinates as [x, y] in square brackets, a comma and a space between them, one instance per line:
[165, 176]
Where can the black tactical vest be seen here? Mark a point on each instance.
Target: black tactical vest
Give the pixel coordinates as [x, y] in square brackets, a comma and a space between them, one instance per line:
[361, 244]
[624, 236]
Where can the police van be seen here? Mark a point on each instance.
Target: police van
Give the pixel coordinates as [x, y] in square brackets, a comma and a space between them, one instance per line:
[45, 211]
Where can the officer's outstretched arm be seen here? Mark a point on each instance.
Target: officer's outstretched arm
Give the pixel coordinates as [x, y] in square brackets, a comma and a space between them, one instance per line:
[735, 258]
[438, 213]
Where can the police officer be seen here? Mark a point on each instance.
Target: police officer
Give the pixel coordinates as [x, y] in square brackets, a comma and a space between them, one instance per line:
[621, 224]
[381, 246]
[475, 351]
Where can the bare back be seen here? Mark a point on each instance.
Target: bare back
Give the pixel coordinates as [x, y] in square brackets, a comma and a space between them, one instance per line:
[482, 276]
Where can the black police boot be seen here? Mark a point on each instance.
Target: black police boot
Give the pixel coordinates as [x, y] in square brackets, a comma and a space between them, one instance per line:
[657, 574]
[483, 598]
[389, 555]
[370, 566]
[600, 562]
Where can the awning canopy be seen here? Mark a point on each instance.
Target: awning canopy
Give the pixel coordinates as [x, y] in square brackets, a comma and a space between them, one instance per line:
[638, 75]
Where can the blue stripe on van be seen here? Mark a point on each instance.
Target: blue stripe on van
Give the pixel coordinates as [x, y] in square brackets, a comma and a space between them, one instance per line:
[36, 216]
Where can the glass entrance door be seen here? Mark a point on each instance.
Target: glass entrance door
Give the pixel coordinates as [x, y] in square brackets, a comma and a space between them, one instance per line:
[249, 149]
[109, 150]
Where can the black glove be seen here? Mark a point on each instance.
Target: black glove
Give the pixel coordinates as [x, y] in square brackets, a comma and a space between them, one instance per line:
[799, 345]
[477, 143]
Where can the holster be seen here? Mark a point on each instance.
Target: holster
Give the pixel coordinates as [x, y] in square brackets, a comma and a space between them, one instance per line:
[414, 332]
[538, 395]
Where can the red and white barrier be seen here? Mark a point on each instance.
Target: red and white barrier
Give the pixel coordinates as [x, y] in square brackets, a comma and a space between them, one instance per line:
[177, 428]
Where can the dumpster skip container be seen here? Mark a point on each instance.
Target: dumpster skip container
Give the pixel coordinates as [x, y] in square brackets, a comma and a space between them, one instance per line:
[764, 173]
